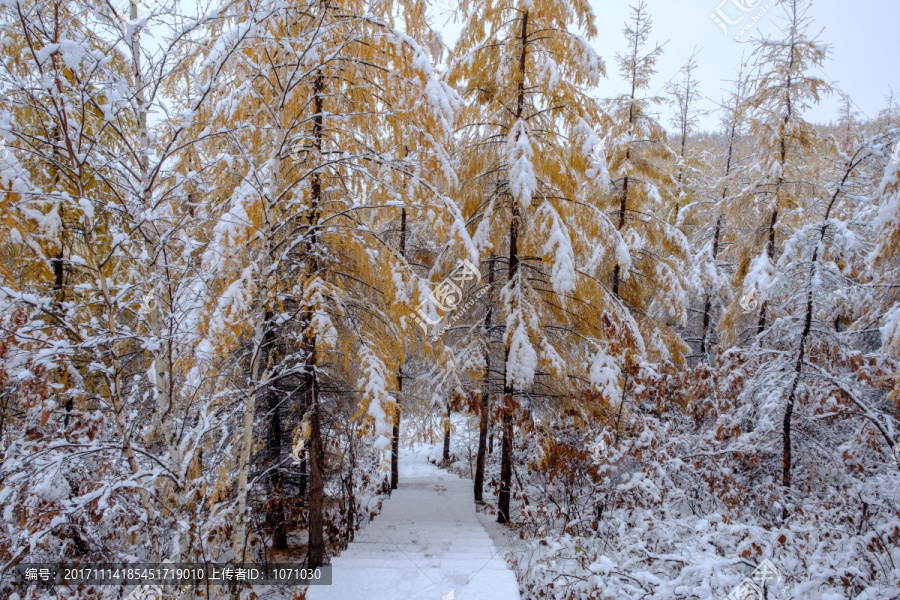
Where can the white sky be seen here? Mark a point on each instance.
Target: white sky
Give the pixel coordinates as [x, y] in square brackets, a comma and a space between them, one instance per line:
[863, 35]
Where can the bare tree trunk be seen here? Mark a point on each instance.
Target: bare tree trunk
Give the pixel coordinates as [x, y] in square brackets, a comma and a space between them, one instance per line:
[239, 542]
[787, 460]
[484, 416]
[770, 252]
[770, 247]
[508, 391]
[446, 454]
[707, 317]
[315, 556]
[485, 409]
[348, 484]
[316, 551]
[622, 208]
[258, 372]
[59, 260]
[275, 514]
[707, 306]
[801, 351]
[505, 466]
[395, 438]
[623, 203]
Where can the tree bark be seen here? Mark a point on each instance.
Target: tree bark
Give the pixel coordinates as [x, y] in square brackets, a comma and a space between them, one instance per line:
[508, 391]
[482, 443]
[395, 438]
[275, 513]
[485, 409]
[707, 306]
[485, 416]
[258, 371]
[787, 461]
[623, 206]
[804, 337]
[316, 549]
[239, 543]
[770, 252]
[315, 556]
[446, 453]
[623, 203]
[351, 498]
[505, 467]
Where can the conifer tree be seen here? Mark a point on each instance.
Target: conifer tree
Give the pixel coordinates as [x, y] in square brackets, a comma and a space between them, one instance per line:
[883, 260]
[324, 164]
[783, 87]
[115, 267]
[708, 214]
[684, 95]
[644, 189]
[533, 183]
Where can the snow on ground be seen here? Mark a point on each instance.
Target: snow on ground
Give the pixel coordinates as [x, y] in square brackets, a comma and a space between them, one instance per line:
[425, 543]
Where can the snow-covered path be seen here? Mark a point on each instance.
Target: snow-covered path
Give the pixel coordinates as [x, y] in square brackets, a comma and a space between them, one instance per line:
[425, 543]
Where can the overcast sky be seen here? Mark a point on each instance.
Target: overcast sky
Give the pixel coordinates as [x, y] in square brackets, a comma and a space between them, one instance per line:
[863, 36]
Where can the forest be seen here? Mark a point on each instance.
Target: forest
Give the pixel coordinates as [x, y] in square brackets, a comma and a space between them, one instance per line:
[255, 254]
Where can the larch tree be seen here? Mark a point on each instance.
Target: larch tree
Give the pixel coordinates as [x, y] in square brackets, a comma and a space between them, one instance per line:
[783, 87]
[684, 96]
[812, 385]
[338, 164]
[883, 260]
[706, 217]
[107, 202]
[533, 184]
[652, 254]
[805, 368]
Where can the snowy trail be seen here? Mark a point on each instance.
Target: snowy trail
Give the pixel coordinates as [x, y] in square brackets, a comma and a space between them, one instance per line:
[425, 543]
